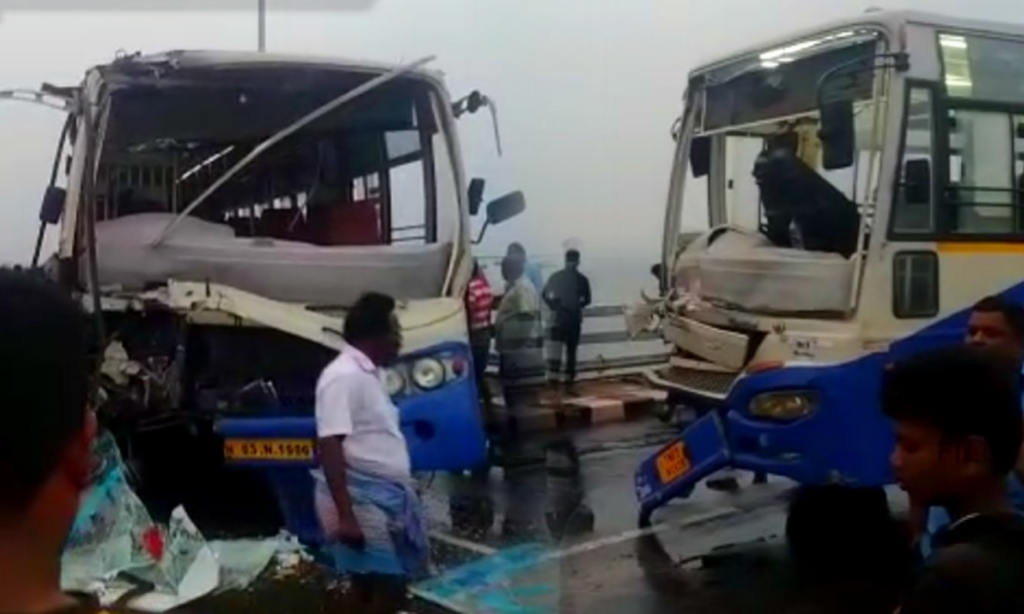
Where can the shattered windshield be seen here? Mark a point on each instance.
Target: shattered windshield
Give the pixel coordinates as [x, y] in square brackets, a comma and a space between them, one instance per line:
[372, 154]
[745, 205]
[792, 224]
[197, 164]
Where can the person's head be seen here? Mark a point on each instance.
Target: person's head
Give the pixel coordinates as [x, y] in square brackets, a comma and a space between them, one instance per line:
[46, 443]
[512, 268]
[998, 324]
[371, 326]
[476, 268]
[516, 250]
[957, 413]
[572, 259]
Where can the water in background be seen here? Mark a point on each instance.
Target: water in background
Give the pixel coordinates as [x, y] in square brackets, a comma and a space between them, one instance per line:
[613, 281]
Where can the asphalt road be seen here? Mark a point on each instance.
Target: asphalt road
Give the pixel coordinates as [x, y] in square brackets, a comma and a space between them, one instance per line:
[595, 559]
[537, 541]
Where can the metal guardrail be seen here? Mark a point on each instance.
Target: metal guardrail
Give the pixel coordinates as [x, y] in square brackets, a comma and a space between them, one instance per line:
[606, 349]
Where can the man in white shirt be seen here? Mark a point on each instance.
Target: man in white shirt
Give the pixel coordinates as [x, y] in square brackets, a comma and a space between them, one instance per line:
[369, 511]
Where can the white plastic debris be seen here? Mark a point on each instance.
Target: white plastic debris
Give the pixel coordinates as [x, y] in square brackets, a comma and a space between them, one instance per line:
[242, 560]
[115, 547]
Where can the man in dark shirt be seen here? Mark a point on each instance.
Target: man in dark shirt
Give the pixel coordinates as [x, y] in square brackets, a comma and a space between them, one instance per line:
[958, 434]
[45, 446]
[567, 294]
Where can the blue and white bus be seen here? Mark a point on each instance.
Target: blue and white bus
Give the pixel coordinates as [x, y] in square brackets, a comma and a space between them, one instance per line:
[864, 185]
[218, 211]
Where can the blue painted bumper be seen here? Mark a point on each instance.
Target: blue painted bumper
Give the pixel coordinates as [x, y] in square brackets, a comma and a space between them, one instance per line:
[443, 428]
[707, 451]
[846, 439]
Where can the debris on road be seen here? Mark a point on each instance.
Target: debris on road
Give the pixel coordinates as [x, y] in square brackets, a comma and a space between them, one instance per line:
[119, 554]
[510, 581]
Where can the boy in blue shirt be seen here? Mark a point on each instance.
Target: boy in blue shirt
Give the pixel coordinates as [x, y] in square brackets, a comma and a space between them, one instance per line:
[997, 324]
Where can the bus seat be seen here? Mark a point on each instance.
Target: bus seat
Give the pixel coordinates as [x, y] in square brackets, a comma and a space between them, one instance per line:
[355, 223]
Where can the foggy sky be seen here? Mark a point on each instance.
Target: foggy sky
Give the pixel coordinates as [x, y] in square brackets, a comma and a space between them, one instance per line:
[587, 90]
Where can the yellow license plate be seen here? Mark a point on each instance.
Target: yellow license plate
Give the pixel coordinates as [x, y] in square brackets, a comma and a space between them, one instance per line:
[268, 449]
[672, 463]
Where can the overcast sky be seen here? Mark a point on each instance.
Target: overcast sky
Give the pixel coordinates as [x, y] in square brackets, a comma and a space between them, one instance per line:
[587, 89]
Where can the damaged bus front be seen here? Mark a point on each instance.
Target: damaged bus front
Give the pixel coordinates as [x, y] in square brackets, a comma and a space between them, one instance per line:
[222, 210]
[859, 181]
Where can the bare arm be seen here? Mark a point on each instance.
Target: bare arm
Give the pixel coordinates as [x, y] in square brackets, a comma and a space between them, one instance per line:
[335, 403]
[332, 458]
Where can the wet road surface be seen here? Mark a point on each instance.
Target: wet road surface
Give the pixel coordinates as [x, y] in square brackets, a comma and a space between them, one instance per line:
[540, 540]
[595, 560]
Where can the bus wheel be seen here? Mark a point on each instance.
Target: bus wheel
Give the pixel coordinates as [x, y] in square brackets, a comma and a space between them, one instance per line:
[833, 529]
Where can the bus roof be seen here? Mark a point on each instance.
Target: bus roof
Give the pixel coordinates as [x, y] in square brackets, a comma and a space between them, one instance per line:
[199, 59]
[890, 21]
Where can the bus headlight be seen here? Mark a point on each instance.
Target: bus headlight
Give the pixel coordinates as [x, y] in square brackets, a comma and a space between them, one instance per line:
[428, 373]
[784, 405]
[394, 382]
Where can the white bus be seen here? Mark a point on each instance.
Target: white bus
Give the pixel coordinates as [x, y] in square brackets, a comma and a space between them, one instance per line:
[864, 186]
[218, 211]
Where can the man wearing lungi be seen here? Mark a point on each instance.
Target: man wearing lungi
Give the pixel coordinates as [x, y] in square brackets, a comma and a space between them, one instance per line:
[370, 513]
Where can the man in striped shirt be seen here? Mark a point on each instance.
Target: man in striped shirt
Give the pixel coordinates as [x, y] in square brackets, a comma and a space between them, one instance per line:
[479, 304]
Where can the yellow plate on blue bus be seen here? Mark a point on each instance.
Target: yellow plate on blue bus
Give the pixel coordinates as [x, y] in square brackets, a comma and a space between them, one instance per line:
[673, 462]
[269, 449]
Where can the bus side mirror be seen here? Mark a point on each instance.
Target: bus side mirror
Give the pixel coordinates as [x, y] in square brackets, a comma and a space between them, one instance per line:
[476, 195]
[500, 210]
[505, 208]
[838, 135]
[53, 205]
[700, 156]
[917, 177]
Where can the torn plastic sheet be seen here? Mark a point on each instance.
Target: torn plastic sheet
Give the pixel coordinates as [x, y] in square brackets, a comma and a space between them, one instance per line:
[115, 548]
[242, 560]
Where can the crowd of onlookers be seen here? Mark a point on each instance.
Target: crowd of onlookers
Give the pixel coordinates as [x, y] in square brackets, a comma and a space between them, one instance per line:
[533, 323]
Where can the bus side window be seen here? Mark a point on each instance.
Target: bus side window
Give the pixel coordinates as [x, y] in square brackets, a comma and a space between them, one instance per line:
[981, 144]
[915, 284]
[910, 215]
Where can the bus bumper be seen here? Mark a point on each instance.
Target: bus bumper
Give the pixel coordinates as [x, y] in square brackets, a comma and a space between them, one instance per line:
[841, 439]
[675, 469]
[443, 429]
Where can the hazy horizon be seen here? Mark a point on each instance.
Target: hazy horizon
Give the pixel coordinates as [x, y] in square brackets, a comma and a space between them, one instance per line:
[587, 90]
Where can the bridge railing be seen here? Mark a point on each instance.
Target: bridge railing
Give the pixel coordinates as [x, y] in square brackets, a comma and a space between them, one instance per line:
[606, 349]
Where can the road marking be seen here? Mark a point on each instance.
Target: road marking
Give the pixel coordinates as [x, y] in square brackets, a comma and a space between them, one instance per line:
[625, 536]
[465, 544]
[597, 544]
